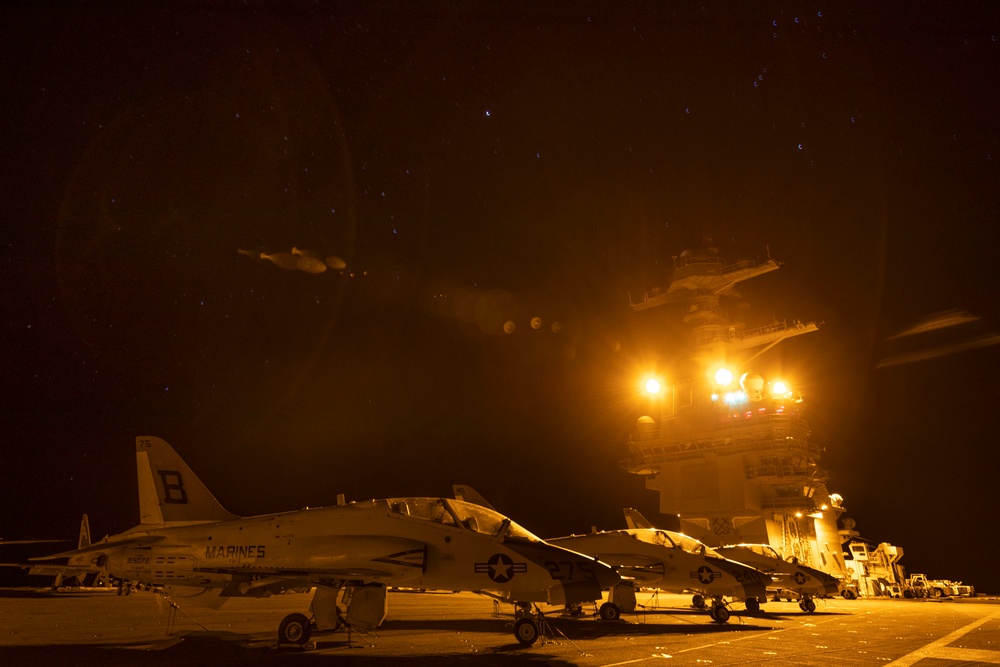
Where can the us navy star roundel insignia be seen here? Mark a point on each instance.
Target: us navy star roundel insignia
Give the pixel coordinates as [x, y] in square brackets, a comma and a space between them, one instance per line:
[800, 578]
[705, 574]
[500, 568]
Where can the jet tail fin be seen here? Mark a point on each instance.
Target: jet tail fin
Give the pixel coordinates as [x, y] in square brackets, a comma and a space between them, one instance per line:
[470, 495]
[169, 491]
[84, 540]
[635, 519]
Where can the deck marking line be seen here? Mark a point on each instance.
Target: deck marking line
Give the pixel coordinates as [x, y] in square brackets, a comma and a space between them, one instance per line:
[719, 643]
[939, 647]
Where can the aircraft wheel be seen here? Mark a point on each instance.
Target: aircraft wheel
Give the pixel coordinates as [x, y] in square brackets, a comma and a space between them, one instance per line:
[849, 594]
[808, 605]
[753, 604]
[526, 631]
[698, 601]
[294, 629]
[609, 611]
[719, 614]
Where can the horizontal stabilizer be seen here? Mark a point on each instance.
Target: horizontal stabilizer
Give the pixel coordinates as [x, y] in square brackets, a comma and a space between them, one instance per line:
[104, 545]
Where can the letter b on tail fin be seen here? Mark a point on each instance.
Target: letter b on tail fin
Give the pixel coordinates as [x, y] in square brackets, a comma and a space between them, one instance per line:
[169, 492]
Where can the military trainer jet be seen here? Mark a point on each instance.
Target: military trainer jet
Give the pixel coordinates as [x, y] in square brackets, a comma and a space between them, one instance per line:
[62, 573]
[663, 560]
[805, 582]
[669, 561]
[195, 550]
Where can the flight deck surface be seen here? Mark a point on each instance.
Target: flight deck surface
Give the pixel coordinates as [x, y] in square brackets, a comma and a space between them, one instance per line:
[435, 628]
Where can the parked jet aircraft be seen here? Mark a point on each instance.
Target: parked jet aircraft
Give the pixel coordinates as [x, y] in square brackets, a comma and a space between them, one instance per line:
[195, 550]
[63, 573]
[663, 560]
[805, 582]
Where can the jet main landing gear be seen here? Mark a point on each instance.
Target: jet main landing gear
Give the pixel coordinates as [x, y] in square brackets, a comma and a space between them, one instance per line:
[609, 611]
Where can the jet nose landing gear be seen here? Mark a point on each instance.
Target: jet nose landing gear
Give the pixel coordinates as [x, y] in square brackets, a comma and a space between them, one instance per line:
[294, 629]
[719, 612]
[529, 624]
[526, 631]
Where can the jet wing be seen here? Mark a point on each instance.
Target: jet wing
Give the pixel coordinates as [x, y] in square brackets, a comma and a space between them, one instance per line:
[76, 562]
[53, 570]
[64, 571]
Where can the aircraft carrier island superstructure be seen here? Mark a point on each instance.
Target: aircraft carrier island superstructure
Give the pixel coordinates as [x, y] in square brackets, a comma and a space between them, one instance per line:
[727, 447]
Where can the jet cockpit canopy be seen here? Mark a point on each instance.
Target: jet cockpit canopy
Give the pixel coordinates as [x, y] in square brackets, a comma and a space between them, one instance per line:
[460, 514]
[673, 540]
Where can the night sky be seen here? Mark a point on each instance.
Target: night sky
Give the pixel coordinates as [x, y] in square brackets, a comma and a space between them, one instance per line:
[470, 165]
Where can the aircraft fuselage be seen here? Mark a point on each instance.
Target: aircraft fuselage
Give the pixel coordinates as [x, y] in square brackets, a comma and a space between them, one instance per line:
[367, 541]
[667, 567]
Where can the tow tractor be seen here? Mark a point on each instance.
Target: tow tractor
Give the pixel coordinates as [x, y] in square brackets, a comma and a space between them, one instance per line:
[919, 586]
